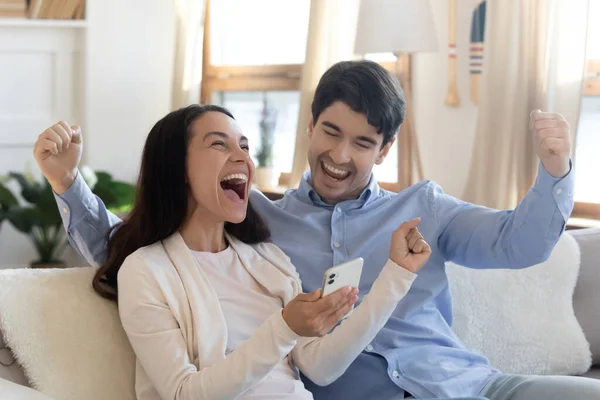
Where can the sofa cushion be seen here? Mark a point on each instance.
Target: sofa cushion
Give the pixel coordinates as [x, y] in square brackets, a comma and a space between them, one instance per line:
[523, 320]
[69, 340]
[586, 299]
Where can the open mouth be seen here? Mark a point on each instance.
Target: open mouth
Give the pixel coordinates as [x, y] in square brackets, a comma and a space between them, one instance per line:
[333, 172]
[234, 186]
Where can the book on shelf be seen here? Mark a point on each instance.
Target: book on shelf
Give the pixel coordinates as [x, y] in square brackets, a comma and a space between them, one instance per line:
[13, 8]
[56, 9]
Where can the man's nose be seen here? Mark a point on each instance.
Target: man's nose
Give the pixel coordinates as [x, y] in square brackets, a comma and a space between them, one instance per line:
[341, 153]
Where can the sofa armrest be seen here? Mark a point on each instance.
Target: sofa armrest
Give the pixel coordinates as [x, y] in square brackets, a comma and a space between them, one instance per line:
[587, 293]
[13, 391]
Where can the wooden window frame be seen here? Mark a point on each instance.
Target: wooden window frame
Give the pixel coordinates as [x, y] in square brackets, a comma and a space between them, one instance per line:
[591, 88]
[586, 210]
[591, 85]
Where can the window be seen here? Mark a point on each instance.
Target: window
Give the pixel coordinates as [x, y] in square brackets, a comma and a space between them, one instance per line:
[592, 84]
[247, 107]
[388, 170]
[255, 49]
[587, 187]
[258, 32]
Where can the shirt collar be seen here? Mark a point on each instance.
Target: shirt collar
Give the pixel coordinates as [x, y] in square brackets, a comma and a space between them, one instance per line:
[308, 194]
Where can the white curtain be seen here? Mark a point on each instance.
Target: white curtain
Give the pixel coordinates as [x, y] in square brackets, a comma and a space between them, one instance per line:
[331, 33]
[534, 58]
[187, 73]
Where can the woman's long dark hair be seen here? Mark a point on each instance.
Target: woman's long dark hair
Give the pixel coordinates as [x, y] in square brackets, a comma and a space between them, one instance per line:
[161, 203]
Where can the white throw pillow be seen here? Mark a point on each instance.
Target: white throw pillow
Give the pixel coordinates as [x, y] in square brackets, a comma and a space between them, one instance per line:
[68, 339]
[523, 320]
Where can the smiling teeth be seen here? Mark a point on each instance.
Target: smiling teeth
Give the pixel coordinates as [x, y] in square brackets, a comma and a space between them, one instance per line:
[242, 177]
[335, 170]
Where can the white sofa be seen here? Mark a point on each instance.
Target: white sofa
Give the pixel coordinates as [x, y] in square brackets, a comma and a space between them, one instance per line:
[586, 304]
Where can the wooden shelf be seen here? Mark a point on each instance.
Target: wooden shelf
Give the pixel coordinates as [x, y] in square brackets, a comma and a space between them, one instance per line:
[42, 23]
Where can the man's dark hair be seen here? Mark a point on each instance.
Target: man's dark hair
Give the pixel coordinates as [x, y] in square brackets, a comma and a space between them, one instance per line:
[367, 88]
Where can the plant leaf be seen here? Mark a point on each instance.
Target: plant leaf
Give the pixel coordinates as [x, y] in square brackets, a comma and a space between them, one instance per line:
[116, 195]
[29, 190]
[21, 218]
[7, 199]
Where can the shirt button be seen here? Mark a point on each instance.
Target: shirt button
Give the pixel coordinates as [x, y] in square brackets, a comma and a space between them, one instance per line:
[395, 374]
[336, 244]
[558, 191]
[338, 210]
[369, 348]
[66, 210]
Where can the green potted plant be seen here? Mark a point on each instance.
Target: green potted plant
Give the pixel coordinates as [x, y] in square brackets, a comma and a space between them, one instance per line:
[39, 218]
[265, 174]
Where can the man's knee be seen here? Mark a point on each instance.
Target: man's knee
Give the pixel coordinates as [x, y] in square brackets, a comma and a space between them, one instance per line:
[559, 388]
[523, 387]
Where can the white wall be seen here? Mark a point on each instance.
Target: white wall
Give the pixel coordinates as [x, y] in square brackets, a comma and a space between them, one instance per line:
[445, 134]
[37, 65]
[114, 79]
[130, 68]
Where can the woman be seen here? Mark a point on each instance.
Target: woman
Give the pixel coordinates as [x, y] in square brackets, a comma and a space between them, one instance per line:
[212, 311]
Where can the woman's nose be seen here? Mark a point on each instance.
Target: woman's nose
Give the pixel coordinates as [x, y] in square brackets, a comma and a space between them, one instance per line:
[240, 155]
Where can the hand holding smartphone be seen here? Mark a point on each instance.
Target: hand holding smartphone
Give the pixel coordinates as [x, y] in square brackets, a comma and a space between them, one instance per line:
[346, 274]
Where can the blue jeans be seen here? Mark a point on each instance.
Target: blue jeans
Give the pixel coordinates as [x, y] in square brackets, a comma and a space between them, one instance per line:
[533, 387]
[523, 387]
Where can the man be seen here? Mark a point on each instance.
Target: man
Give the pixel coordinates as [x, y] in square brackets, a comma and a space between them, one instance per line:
[338, 212]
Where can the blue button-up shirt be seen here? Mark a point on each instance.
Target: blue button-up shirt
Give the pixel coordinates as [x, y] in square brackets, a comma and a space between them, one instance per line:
[416, 351]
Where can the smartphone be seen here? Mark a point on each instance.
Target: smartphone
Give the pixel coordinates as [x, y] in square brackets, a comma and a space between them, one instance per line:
[346, 274]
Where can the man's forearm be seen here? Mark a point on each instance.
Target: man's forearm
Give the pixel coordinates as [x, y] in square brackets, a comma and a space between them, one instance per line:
[86, 220]
[478, 237]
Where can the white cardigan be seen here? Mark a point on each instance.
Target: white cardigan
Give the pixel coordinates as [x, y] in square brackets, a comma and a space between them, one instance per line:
[176, 327]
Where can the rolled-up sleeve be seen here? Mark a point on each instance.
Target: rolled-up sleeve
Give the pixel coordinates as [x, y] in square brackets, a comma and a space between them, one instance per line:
[86, 221]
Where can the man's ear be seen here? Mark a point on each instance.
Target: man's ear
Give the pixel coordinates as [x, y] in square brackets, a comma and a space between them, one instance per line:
[311, 126]
[384, 151]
